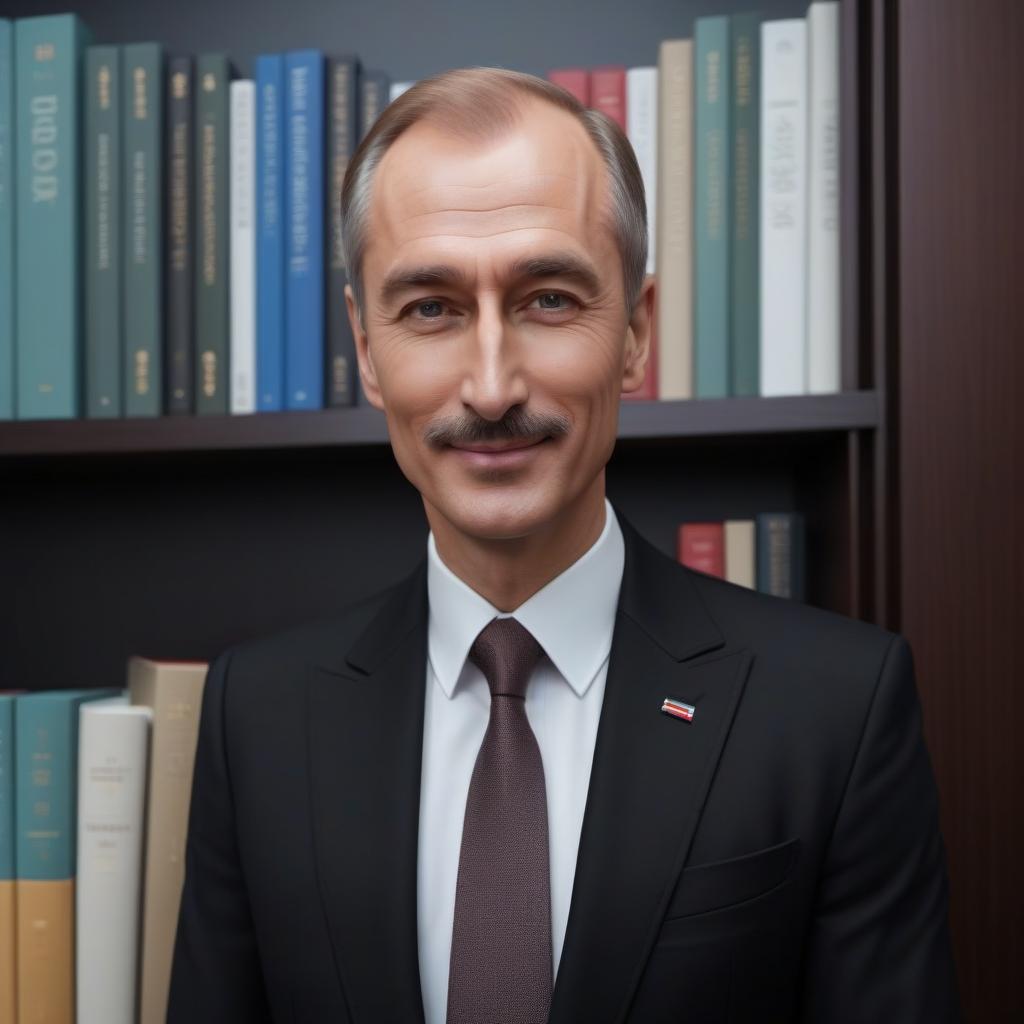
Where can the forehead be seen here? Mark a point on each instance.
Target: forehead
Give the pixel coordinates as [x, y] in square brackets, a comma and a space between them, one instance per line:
[437, 194]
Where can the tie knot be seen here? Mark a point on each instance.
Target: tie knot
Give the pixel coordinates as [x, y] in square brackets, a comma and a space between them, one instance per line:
[506, 652]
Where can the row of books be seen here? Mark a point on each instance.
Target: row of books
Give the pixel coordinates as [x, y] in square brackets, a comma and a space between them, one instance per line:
[767, 553]
[212, 272]
[95, 787]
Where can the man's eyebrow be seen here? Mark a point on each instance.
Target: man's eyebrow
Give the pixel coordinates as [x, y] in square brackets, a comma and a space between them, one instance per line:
[559, 264]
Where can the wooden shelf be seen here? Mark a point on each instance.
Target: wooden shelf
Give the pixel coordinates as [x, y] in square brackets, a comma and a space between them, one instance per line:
[362, 426]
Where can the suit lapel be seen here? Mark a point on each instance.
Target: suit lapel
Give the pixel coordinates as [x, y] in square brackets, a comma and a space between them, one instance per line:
[650, 777]
[365, 717]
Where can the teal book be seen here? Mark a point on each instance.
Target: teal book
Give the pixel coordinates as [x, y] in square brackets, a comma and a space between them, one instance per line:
[746, 207]
[142, 108]
[781, 544]
[6, 220]
[103, 336]
[48, 189]
[712, 157]
[8, 936]
[213, 76]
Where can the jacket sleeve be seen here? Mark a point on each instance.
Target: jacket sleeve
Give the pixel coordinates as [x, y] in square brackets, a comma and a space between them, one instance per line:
[879, 946]
[215, 974]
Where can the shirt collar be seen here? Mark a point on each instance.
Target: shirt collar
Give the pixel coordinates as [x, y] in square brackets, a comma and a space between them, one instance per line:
[572, 617]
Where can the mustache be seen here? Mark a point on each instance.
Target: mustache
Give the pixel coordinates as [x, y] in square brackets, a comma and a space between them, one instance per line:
[517, 424]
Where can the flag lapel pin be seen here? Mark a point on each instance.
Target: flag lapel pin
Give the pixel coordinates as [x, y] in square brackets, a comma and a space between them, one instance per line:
[678, 709]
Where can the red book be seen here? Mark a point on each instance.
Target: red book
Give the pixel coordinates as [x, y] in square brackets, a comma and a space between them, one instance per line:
[608, 93]
[574, 80]
[701, 546]
[648, 391]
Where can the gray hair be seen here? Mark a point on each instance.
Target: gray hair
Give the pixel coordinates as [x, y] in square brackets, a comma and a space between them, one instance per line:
[481, 103]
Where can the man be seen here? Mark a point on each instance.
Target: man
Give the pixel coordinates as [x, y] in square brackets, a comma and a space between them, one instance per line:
[552, 775]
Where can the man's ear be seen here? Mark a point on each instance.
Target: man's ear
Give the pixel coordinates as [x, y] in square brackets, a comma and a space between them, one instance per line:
[367, 374]
[638, 337]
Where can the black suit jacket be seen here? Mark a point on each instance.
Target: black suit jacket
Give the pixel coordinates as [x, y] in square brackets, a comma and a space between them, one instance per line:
[776, 859]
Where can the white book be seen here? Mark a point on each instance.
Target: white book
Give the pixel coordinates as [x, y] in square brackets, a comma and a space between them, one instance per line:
[740, 552]
[642, 131]
[823, 357]
[674, 258]
[395, 89]
[783, 349]
[113, 745]
[243, 246]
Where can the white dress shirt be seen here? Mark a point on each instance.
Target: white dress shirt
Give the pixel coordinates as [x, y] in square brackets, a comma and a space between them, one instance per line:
[572, 618]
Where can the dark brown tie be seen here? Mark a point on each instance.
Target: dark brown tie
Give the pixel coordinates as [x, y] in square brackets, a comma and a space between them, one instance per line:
[500, 969]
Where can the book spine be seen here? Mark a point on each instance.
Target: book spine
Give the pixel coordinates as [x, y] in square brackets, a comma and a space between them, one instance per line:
[8, 973]
[212, 378]
[674, 208]
[304, 237]
[712, 185]
[270, 172]
[740, 548]
[573, 80]
[642, 131]
[179, 239]
[243, 246]
[46, 790]
[341, 144]
[783, 207]
[608, 93]
[143, 96]
[103, 337]
[780, 554]
[6, 221]
[701, 546]
[112, 754]
[48, 189]
[374, 90]
[823, 362]
[746, 151]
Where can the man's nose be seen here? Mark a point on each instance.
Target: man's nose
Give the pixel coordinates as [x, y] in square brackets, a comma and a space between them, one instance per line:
[493, 380]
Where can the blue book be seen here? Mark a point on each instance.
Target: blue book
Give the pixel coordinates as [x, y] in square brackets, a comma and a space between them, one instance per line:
[780, 543]
[270, 182]
[48, 131]
[304, 237]
[6, 221]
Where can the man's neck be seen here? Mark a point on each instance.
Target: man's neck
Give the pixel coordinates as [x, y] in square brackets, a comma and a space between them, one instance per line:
[508, 572]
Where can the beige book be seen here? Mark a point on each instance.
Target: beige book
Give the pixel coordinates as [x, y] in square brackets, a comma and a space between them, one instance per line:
[675, 219]
[174, 691]
[45, 915]
[740, 554]
[8, 1005]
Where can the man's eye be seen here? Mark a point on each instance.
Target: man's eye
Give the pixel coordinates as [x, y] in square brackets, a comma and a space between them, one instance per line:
[554, 302]
[429, 309]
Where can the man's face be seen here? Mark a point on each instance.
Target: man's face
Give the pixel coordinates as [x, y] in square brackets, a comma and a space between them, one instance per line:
[496, 339]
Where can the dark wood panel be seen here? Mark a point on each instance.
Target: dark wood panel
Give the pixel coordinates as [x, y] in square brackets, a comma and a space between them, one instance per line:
[961, 128]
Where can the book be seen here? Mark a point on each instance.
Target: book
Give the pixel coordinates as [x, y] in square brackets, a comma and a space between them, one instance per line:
[143, 110]
[701, 546]
[712, 158]
[243, 246]
[374, 89]
[179, 240]
[8, 964]
[6, 225]
[674, 209]
[48, 189]
[102, 261]
[304, 230]
[642, 132]
[745, 334]
[823, 356]
[45, 812]
[608, 92]
[783, 347]
[780, 554]
[174, 691]
[113, 742]
[740, 552]
[573, 80]
[342, 138]
[213, 76]
[270, 155]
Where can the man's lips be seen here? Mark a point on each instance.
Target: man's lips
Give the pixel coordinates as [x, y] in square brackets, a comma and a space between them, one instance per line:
[500, 447]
